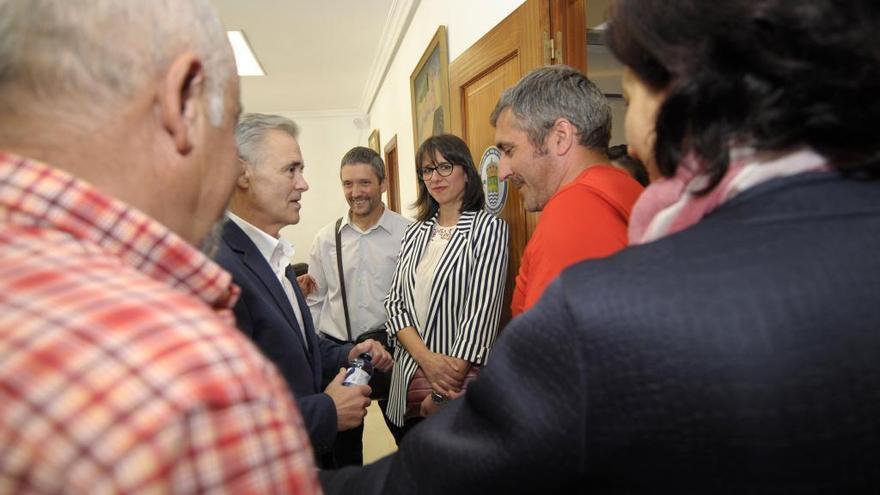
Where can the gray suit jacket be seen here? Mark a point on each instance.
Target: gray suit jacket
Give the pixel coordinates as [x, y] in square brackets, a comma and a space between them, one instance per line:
[741, 355]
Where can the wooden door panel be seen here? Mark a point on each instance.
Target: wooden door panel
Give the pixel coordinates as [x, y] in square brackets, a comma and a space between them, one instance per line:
[479, 98]
[392, 176]
[569, 31]
[477, 78]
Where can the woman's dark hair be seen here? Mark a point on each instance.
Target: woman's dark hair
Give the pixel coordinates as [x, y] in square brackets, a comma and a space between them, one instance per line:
[771, 74]
[456, 152]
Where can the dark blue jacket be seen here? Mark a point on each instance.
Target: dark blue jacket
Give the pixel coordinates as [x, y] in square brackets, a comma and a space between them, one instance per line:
[741, 355]
[264, 314]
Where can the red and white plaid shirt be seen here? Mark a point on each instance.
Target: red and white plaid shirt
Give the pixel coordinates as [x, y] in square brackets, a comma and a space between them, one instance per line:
[120, 370]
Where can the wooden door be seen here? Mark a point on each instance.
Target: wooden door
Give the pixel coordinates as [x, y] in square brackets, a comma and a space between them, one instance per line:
[518, 44]
[568, 25]
[391, 176]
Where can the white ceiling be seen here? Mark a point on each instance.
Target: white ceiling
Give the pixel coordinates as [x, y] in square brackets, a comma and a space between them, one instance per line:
[318, 55]
[329, 56]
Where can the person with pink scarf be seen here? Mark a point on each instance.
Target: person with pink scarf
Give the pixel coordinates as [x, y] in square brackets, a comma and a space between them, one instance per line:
[734, 346]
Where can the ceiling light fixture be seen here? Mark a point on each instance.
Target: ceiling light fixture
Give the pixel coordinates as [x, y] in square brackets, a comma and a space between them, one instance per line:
[245, 60]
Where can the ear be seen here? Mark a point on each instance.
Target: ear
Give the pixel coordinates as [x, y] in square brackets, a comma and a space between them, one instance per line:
[243, 181]
[383, 186]
[562, 136]
[180, 95]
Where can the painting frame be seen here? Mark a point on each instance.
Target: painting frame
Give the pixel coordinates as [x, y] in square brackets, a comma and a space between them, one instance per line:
[429, 90]
[373, 142]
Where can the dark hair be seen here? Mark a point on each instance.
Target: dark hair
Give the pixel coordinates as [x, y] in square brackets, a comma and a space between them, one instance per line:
[619, 155]
[362, 154]
[456, 152]
[770, 74]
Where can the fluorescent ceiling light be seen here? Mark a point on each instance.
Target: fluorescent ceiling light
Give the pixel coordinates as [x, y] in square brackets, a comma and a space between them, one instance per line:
[245, 59]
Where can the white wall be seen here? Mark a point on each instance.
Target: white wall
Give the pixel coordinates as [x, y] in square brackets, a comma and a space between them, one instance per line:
[466, 22]
[323, 140]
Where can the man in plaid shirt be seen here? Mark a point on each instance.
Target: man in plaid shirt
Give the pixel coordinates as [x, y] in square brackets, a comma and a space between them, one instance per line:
[120, 368]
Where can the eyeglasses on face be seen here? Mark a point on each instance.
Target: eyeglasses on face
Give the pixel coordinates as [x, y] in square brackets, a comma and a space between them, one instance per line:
[444, 169]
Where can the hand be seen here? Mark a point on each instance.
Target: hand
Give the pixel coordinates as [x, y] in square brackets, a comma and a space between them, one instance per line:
[351, 402]
[306, 284]
[445, 373]
[380, 358]
[429, 406]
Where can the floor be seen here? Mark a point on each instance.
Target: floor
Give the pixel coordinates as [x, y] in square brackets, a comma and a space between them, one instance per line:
[378, 441]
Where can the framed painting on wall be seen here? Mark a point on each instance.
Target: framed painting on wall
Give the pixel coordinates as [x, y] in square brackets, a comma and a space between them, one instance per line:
[429, 85]
[373, 142]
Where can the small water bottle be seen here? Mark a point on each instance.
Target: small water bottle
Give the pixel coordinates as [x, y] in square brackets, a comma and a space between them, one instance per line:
[360, 370]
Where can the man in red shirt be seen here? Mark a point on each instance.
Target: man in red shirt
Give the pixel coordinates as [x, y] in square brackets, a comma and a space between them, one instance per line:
[121, 370]
[553, 130]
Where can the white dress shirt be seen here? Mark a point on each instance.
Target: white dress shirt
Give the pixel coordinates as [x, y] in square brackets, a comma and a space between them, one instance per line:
[278, 253]
[369, 259]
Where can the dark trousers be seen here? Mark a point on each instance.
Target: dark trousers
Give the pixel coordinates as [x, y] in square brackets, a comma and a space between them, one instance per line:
[348, 450]
[398, 432]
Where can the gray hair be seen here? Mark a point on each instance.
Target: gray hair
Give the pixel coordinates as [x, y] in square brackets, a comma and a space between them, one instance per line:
[558, 91]
[361, 154]
[253, 127]
[89, 56]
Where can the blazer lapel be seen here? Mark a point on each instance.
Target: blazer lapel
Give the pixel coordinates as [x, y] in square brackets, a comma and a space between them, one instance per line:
[256, 263]
[303, 307]
[310, 334]
[419, 243]
[424, 236]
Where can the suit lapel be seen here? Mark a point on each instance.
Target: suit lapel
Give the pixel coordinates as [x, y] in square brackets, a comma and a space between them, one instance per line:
[257, 264]
[419, 243]
[311, 335]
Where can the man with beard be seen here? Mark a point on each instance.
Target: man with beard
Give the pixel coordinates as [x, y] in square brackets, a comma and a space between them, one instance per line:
[369, 238]
[553, 129]
[272, 311]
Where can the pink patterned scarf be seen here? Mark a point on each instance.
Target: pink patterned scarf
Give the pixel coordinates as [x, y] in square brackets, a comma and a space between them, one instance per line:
[669, 205]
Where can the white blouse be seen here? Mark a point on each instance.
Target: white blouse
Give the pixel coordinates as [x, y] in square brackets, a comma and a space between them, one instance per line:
[425, 272]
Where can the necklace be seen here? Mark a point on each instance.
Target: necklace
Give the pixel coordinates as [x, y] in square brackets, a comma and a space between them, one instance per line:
[443, 233]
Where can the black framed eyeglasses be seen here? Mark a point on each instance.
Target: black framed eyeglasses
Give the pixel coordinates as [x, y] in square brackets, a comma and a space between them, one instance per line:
[444, 169]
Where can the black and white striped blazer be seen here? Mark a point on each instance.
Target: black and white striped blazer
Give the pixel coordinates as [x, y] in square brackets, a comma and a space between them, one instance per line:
[466, 296]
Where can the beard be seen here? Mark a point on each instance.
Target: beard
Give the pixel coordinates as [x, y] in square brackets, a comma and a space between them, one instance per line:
[211, 242]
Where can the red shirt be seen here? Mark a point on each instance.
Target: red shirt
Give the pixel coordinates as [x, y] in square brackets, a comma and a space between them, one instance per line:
[586, 218]
[120, 368]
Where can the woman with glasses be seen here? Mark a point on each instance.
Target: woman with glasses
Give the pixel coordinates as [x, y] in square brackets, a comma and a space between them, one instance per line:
[445, 300]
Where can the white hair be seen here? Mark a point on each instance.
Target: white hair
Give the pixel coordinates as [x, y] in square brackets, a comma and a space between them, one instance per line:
[91, 55]
[251, 130]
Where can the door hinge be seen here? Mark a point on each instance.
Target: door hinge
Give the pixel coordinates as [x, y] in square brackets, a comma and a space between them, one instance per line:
[553, 49]
[549, 49]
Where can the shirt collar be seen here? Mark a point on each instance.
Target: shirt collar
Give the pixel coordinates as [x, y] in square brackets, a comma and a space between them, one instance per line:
[41, 196]
[277, 252]
[383, 222]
